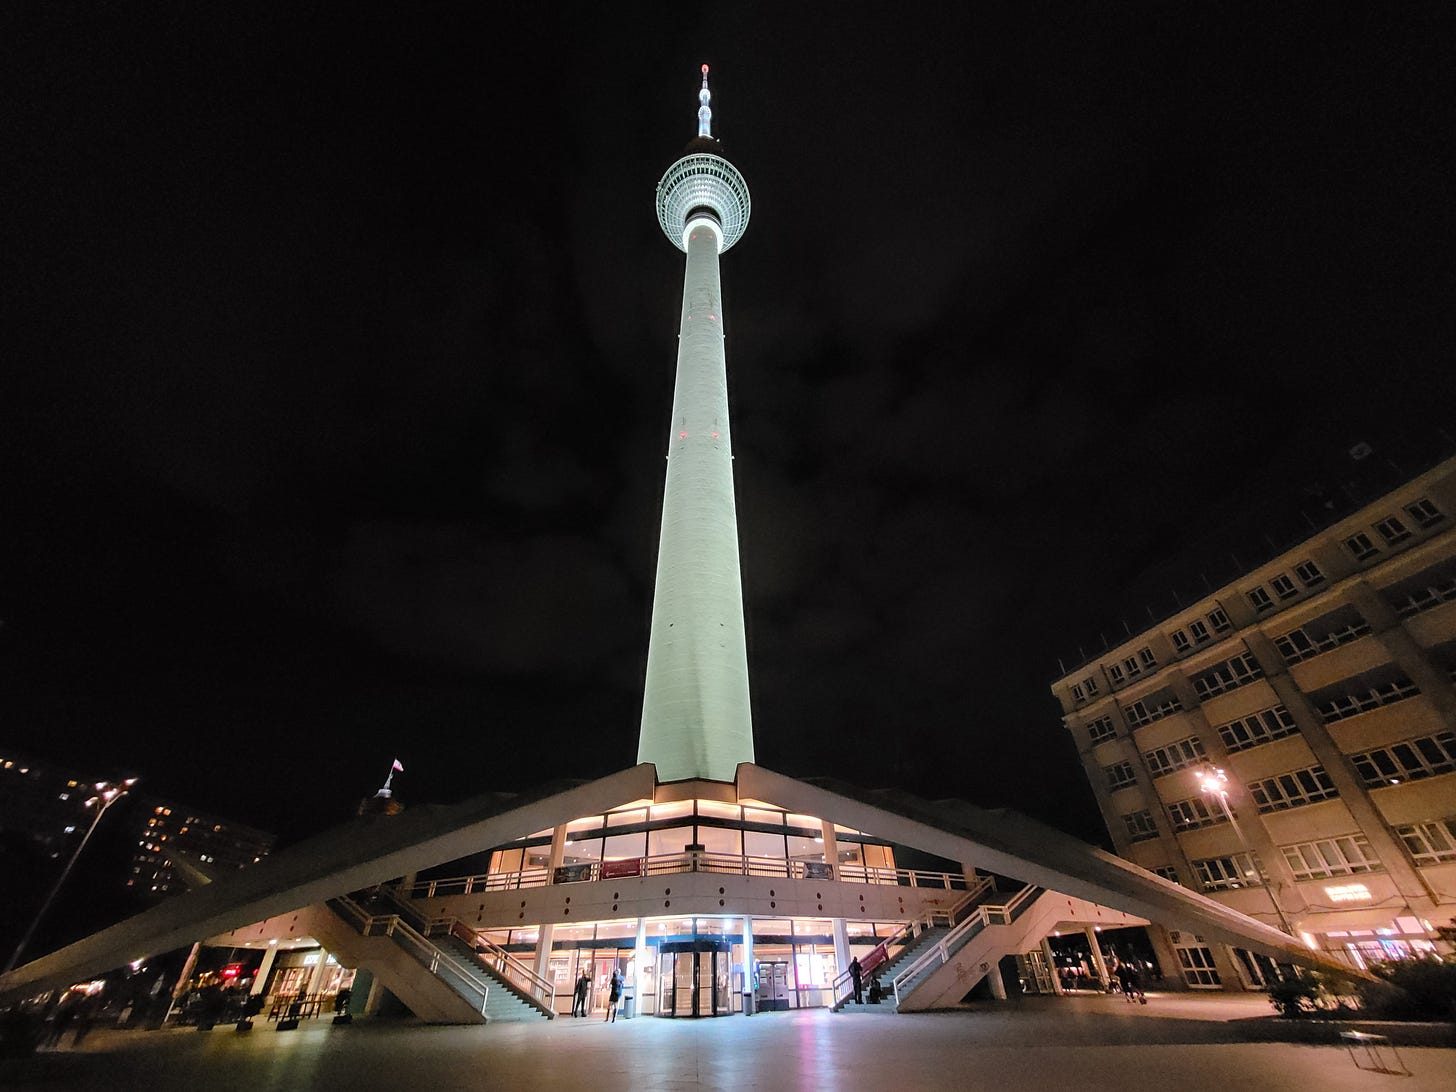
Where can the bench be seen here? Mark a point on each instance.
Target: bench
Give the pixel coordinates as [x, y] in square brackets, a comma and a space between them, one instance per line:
[1372, 1045]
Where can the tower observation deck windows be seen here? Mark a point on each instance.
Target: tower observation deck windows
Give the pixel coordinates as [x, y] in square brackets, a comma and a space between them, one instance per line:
[1264, 726]
[1229, 675]
[1292, 790]
[1411, 760]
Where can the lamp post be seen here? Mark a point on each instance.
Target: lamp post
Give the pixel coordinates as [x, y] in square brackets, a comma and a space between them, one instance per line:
[1215, 782]
[107, 794]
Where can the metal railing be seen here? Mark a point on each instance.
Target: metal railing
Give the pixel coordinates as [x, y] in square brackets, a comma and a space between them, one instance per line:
[940, 952]
[513, 970]
[440, 963]
[676, 863]
[843, 984]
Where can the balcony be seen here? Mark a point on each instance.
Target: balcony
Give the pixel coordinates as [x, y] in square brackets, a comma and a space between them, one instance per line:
[1360, 654]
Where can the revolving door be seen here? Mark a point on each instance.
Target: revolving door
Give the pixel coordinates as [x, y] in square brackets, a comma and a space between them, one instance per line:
[692, 978]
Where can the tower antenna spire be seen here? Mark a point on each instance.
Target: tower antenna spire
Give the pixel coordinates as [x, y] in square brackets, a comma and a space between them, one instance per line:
[705, 112]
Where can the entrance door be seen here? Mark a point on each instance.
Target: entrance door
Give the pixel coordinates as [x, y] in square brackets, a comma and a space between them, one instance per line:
[692, 981]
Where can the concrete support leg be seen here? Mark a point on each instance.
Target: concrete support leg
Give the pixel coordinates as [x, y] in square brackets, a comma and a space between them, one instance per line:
[748, 964]
[320, 971]
[995, 981]
[180, 988]
[841, 947]
[1099, 964]
[542, 963]
[1051, 961]
[260, 981]
[641, 954]
[1168, 964]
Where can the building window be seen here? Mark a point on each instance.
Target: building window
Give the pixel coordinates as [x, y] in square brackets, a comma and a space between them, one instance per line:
[1090, 685]
[1293, 790]
[1264, 726]
[1180, 641]
[1330, 631]
[1360, 545]
[1427, 589]
[1219, 620]
[1393, 530]
[1430, 843]
[1229, 675]
[1114, 672]
[1077, 694]
[1147, 657]
[1425, 513]
[1331, 857]
[1361, 694]
[1175, 756]
[1198, 968]
[1226, 873]
[1120, 775]
[1283, 586]
[1140, 826]
[1132, 666]
[1199, 631]
[1100, 729]
[1145, 712]
[1193, 813]
[1260, 600]
[1309, 574]
[1168, 872]
[1411, 760]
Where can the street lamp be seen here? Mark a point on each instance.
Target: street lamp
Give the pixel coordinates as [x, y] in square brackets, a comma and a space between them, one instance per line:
[107, 794]
[1215, 782]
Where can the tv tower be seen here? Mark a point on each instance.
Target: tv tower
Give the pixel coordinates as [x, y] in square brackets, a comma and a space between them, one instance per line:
[695, 713]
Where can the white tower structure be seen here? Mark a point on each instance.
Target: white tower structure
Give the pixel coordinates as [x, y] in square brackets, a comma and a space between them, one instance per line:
[696, 721]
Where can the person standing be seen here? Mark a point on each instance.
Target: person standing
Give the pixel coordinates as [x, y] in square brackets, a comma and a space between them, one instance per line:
[614, 995]
[578, 1002]
[856, 975]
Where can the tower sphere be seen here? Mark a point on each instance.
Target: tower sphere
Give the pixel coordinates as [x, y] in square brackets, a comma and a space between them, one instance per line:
[703, 186]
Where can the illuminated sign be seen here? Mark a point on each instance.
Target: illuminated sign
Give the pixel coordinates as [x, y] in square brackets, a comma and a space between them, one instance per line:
[1348, 892]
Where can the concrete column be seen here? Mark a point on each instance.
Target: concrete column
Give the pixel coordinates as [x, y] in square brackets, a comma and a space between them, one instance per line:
[841, 947]
[315, 980]
[260, 982]
[375, 1001]
[191, 965]
[1051, 959]
[557, 853]
[748, 967]
[1403, 650]
[639, 965]
[1167, 960]
[995, 981]
[831, 847]
[1094, 941]
[542, 964]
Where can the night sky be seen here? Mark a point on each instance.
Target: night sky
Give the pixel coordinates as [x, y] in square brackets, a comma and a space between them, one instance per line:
[341, 357]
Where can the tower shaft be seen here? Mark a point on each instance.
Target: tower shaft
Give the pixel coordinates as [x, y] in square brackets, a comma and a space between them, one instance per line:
[696, 720]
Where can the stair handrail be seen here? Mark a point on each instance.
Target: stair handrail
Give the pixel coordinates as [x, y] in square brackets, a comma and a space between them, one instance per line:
[543, 988]
[946, 946]
[425, 950]
[842, 986]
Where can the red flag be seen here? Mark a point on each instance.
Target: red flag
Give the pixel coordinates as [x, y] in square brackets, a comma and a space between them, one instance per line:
[398, 766]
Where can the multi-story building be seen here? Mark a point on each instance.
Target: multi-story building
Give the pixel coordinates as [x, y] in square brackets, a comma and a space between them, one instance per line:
[43, 805]
[1287, 744]
[209, 844]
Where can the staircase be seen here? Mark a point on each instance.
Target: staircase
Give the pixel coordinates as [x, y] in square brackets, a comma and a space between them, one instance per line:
[946, 969]
[518, 995]
[481, 994]
[917, 938]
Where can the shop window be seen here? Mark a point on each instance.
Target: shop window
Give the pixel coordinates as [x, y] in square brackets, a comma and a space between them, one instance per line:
[624, 847]
[758, 844]
[665, 843]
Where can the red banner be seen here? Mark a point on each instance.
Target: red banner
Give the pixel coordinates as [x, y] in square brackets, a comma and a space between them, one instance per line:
[611, 870]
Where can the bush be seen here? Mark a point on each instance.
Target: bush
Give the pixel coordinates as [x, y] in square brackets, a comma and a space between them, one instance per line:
[1424, 989]
[1294, 996]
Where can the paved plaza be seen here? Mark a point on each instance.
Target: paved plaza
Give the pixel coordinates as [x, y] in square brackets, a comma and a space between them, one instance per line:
[1180, 1044]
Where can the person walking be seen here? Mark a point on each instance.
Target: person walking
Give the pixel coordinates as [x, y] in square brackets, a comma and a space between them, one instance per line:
[614, 995]
[578, 1001]
[856, 975]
